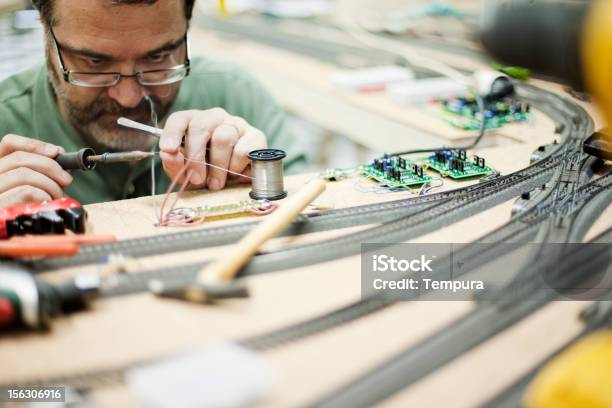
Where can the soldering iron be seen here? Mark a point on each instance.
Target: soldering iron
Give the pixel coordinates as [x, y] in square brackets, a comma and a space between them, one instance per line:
[87, 159]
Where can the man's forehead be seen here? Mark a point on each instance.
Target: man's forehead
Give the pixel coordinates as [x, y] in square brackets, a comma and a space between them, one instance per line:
[118, 30]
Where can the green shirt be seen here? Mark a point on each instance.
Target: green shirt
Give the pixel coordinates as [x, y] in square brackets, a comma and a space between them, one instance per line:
[28, 108]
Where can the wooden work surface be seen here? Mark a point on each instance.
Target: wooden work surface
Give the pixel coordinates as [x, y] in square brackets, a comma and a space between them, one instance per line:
[128, 329]
[132, 328]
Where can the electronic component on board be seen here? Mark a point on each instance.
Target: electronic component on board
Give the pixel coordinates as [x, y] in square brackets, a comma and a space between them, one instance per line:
[464, 113]
[457, 165]
[389, 171]
[395, 172]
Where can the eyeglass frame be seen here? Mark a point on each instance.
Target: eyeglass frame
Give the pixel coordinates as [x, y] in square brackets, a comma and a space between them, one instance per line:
[66, 72]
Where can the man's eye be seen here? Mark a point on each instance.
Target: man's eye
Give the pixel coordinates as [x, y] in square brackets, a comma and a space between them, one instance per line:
[157, 57]
[94, 62]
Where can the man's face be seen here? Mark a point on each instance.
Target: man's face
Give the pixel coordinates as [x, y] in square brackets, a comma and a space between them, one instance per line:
[96, 36]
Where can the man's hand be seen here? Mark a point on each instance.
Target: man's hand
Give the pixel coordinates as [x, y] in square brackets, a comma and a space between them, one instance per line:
[28, 172]
[213, 135]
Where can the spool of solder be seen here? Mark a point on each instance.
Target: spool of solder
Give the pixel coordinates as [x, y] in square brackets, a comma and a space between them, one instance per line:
[267, 172]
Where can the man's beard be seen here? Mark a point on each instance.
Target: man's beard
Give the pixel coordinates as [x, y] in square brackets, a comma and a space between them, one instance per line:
[87, 120]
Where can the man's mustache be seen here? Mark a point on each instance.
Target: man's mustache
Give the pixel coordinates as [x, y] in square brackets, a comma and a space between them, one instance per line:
[103, 107]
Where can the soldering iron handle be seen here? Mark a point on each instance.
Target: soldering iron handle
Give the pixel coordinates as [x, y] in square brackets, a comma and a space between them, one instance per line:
[77, 160]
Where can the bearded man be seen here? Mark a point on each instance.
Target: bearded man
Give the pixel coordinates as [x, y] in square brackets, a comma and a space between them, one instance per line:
[107, 59]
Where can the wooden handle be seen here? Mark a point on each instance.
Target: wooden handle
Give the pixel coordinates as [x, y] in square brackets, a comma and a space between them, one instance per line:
[227, 268]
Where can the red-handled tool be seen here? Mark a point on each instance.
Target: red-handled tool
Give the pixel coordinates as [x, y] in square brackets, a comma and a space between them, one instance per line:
[49, 245]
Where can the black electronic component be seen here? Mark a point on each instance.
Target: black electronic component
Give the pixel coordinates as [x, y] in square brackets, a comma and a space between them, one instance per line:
[479, 162]
[456, 164]
[462, 154]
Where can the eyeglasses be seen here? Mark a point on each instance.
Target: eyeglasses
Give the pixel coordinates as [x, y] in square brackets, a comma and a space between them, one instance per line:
[157, 77]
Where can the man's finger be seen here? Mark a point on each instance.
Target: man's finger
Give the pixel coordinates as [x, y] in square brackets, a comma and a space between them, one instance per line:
[23, 195]
[173, 164]
[195, 147]
[199, 134]
[13, 143]
[23, 176]
[222, 143]
[253, 139]
[38, 163]
[175, 130]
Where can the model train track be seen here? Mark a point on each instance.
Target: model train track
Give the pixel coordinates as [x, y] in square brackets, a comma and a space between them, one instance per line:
[489, 318]
[466, 333]
[217, 236]
[595, 192]
[115, 376]
[589, 198]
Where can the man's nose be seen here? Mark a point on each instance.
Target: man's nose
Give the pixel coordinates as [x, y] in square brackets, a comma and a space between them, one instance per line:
[128, 92]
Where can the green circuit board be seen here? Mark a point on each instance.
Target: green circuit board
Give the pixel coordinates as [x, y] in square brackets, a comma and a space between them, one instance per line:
[457, 165]
[464, 113]
[395, 172]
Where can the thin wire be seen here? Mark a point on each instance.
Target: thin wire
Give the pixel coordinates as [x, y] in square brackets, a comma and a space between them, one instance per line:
[154, 120]
[219, 168]
[156, 131]
[163, 219]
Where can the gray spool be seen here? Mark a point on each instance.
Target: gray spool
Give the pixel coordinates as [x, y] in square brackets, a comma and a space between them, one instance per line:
[267, 172]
